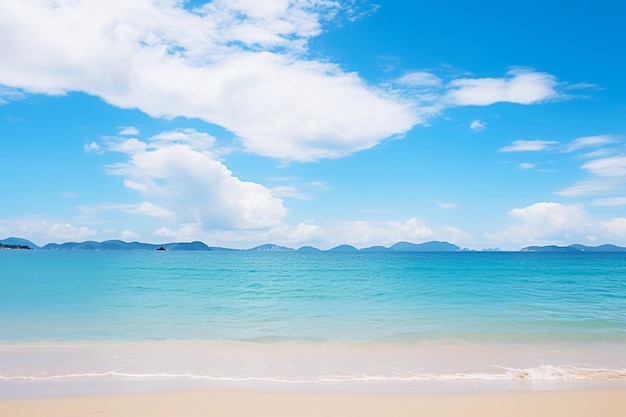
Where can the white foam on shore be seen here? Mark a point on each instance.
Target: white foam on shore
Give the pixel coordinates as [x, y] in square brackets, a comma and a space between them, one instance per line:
[399, 367]
[540, 373]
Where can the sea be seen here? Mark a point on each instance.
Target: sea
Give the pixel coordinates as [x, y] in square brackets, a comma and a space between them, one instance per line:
[76, 322]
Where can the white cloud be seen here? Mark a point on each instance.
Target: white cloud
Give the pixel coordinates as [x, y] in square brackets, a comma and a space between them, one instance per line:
[129, 131]
[544, 222]
[594, 186]
[45, 230]
[290, 191]
[178, 179]
[526, 165]
[607, 167]
[10, 94]
[477, 125]
[165, 232]
[69, 232]
[186, 233]
[521, 86]
[559, 224]
[239, 64]
[589, 141]
[616, 227]
[295, 235]
[610, 202]
[197, 140]
[92, 147]
[150, 209]
[528, 146]
[144, 208]
[369, 233]
[129, 235]
[420, 79]
[583, 86]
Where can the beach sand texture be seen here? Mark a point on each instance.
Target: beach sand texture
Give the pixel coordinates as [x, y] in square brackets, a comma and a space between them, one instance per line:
[583, 403]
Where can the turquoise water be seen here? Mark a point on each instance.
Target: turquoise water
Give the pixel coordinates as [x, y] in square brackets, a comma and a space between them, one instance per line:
[312, 317]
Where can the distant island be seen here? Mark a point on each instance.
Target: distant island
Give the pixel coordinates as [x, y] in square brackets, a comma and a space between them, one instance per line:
[574, 248]
[14, 247]
[432, 246]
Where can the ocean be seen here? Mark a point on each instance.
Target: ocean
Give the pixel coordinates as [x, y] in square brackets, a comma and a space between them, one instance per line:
[98, 321]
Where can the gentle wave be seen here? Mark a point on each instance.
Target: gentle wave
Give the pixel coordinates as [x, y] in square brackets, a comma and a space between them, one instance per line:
[540, 373]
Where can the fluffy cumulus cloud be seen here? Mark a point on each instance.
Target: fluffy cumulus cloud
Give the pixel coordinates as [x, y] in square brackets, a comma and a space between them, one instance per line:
[179, 178]
[549, 223]
[129, 235]
[616, 228]
[369, 233]
[240, 64]
[478, 125]
[45, 230]
[545, 222]
[521, 86]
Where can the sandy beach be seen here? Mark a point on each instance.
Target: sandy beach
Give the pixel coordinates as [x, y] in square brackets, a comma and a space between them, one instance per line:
[576, 403]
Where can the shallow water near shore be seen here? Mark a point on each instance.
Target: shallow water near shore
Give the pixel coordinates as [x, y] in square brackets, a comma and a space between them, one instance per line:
[387, 321]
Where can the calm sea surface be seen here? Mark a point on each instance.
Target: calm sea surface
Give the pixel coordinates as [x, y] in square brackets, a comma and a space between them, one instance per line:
[311, 318]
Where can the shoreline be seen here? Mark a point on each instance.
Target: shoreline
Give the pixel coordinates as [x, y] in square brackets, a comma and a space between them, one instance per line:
[31, 370]
[239, 403]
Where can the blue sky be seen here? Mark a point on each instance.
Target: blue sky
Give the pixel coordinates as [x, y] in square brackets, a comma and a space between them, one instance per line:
[314, 122]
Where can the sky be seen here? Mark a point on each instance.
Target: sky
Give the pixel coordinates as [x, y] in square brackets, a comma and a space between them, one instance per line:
[488, 124]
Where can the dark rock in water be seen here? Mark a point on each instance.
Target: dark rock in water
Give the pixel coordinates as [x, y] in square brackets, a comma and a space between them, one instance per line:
[161, 248]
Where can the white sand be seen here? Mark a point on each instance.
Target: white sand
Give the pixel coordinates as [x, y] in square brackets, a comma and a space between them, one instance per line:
[587, 403]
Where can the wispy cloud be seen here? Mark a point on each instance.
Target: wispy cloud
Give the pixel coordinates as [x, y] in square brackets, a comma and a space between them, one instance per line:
[92, 147]
[592, 186]
[590, 141]
[610, 202]
[529, 146]
[607, 174]
[129, 131]
[607, 167]
[8, 94]
[445, 205]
